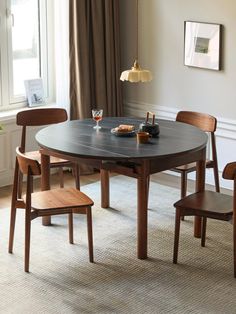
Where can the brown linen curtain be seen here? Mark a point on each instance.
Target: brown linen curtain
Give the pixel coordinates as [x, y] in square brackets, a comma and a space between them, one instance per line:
[94, 58]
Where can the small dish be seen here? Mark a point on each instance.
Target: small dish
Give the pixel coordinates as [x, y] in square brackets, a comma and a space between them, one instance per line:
[123, 134]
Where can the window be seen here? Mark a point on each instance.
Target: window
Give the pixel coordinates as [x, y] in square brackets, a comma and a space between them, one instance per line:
[26, 47]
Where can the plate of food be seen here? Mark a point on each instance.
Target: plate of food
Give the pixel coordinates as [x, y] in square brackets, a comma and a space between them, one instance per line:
[124, 130]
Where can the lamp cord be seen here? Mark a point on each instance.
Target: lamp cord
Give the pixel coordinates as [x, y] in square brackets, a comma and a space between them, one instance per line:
[137, 11]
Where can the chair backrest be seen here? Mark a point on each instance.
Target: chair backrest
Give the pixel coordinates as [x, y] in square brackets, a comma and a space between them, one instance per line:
[229, 171]
[27, 165]
[203, 121]
[206, 123]
[38, 117]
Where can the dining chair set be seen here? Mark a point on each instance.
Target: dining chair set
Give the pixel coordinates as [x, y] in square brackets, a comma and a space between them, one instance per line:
[205, 204]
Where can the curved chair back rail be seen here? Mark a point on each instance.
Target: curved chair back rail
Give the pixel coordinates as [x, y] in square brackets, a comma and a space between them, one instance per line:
[229, 172]
[37, 117]
[26, 163]
[203, 121]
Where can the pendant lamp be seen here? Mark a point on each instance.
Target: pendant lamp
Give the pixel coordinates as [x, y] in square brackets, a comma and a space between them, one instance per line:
[136, 73]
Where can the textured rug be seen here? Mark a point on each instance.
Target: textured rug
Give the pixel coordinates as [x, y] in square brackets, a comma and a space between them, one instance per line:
[63, 281]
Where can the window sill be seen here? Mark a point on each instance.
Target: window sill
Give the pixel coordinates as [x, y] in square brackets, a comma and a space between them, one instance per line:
[9, 116]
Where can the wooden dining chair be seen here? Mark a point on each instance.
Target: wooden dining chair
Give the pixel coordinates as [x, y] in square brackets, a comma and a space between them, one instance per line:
[206, 123]
[208, 204]
[41, 117]
[45, 203]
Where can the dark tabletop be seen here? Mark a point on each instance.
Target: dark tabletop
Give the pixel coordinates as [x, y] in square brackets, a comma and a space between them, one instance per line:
[79, 138]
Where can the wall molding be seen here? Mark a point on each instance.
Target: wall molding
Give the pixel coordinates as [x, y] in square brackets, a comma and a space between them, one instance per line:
[139, 109]
[225, 135]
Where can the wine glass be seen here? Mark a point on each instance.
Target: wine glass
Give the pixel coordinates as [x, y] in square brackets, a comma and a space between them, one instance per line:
[97, 116]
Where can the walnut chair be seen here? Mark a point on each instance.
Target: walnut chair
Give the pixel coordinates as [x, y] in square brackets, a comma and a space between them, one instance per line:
[206, 123]
[46, 203]
[41, 117]
[208, 204]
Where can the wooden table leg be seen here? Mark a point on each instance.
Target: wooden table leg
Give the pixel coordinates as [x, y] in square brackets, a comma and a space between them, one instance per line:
[200, 186]
[105, 191]
[45, 182]
[142, 214]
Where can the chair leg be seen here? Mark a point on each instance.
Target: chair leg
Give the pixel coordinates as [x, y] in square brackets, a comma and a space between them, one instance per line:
[19, 185]
[203, 237]
[216, 177]
[76, 172]
[176, 240]
[27, 240]
[61, 178]
[15, 192]
[12, 228]
[70, 223]
[90, 233]
[183, 186]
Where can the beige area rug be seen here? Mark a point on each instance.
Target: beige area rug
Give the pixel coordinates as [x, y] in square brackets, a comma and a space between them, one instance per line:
[63, 281]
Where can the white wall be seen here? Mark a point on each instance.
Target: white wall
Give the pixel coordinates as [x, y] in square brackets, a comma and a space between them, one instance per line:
[175, 86]
[161, 43]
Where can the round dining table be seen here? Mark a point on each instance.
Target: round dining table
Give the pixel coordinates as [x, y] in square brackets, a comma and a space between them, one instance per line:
[177, 144]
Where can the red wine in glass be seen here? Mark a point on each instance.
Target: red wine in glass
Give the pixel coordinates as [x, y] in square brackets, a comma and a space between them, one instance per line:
[97, 116]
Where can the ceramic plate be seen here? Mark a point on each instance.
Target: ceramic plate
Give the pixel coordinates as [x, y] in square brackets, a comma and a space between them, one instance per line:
[123, 134]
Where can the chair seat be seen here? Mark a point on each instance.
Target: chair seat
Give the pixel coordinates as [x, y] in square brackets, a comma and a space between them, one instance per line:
[207, 203]
[59, 198]
[192, 166]
[54, 161]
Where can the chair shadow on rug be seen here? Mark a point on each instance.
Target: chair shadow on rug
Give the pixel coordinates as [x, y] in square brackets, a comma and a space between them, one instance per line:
[208, 204]
[46, 203]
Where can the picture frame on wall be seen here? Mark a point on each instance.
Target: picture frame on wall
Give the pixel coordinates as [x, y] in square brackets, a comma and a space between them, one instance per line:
[202, 45]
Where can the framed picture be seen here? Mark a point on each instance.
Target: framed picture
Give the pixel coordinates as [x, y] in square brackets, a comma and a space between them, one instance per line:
[202, 42]
[34, 92]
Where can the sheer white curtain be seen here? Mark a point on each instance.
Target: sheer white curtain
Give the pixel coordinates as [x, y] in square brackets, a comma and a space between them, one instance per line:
[62, 53]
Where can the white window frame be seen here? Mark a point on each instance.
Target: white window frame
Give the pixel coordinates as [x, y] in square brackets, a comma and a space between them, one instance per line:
[7, 101]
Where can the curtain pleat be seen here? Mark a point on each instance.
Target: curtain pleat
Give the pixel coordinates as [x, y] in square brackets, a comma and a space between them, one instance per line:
[95, 58]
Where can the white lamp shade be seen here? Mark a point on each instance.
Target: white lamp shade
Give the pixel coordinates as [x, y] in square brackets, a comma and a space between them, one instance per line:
[136, 74]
